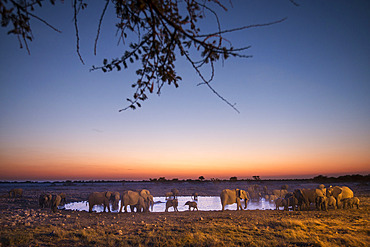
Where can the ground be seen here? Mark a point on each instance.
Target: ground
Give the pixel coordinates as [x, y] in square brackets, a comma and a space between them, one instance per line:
[23, 223]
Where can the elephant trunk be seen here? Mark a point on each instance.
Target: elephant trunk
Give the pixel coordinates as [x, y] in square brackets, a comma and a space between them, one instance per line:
[245, 201]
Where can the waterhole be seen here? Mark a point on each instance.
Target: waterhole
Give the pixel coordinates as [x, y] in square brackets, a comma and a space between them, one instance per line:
[205, 203]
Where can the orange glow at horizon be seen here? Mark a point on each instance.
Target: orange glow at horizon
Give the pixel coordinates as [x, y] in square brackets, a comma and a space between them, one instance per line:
[32, 167]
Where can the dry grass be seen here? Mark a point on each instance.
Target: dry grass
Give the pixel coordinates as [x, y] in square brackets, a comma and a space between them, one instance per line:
[22, 226]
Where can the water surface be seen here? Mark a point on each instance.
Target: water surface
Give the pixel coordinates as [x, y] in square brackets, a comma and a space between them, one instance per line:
[205, 203]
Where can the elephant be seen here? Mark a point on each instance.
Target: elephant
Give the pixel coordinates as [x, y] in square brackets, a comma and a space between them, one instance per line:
[254, 193]
[305, 197]
[175, 193]
[55, 201]
[99, 198]
[281, 202]
[194, 196]
[339, 193]
[169, 195]
[148, 198]
[172, 203]
[63, 196]
[320, 192]
[271, 198]
[291, 201]
[280, 193]
[193, 205]
[355, 202]
[265, 190]
[233, 196]
[351, 202]
[332, 202]
[15, 192]
[114, 200]
[322, 203]
[133, 199]
[45, 200]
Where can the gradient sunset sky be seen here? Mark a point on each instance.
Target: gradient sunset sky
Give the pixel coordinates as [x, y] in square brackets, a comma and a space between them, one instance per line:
[304, 100]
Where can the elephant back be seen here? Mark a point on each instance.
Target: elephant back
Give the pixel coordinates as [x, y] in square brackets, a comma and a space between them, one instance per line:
[130, 197]
[228, 196]
[280, 193]
[347, 192]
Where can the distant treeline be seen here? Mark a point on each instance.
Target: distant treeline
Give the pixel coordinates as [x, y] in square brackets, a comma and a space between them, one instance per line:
[345, 178]
[318, 179]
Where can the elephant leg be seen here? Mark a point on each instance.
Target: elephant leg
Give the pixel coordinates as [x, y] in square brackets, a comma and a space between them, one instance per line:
[239, 205]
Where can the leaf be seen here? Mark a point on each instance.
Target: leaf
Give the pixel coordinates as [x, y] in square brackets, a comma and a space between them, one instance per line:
[152, 88]
[105, 61]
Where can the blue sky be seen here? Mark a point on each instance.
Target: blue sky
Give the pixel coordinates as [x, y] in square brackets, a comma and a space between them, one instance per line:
[303, 100]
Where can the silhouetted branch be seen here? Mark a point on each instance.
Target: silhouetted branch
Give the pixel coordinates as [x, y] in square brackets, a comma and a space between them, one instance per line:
[76, 29]
[100, 22]
[243, 28]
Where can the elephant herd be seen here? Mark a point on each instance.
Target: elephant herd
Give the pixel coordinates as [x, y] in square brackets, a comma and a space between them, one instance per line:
[52, 201]
[322, 198]
[45, 200]
[140, 200]
[336, 197]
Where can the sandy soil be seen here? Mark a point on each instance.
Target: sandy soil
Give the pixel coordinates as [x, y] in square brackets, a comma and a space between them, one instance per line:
[23, 223]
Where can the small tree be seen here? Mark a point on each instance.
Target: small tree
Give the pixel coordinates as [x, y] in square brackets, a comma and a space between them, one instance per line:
[233, 179]
[201, 178]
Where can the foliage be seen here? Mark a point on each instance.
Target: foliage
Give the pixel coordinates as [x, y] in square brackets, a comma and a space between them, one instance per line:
[165, 29]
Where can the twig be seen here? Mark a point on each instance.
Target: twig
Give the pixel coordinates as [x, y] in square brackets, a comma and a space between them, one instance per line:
[99, 26]
[242, 28]
[76, 27]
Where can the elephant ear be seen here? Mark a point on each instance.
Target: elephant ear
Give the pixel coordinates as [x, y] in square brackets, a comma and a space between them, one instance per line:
[336, 191]
[247, 195]
[298, 193]
[144, 193]
[108, 194]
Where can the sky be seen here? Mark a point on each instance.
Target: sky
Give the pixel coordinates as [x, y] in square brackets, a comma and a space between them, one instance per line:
[303, 100]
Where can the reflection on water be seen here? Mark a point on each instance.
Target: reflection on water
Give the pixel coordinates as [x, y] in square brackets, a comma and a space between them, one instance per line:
[205, 203]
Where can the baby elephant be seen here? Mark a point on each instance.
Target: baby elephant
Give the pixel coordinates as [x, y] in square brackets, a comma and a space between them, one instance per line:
[172, 203]
[351, 202]
[55, 201]
[192, 205]
[281, 202]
